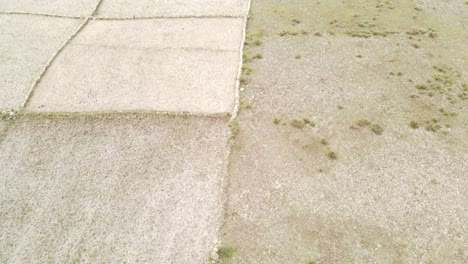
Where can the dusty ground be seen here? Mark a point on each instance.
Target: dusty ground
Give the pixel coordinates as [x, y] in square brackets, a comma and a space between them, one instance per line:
[350, 145]
[135, 188]
[326, 166]
[164, 64]
[194, 8]
[28, 43]
[102, 174]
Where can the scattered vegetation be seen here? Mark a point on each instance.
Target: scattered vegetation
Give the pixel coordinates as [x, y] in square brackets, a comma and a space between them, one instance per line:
[447, 113]
[288, 33]
[444, 83]
[323, 141]
[298, 56]
[276, 121]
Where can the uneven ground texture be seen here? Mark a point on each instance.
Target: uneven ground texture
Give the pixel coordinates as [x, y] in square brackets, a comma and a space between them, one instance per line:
[164, 64]
[352, 138]
[28, 43]
[175, 8]
[114, 128]
[135, 188]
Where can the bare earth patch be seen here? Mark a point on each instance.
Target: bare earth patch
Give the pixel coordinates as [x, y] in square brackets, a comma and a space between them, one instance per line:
[162, 64]
[110, 188]
[28, 43]
[364, 184]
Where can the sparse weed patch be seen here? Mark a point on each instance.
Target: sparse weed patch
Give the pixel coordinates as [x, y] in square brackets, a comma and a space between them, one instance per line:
[244, 103]
[432, 125]
[414, 124]
[376, 128]
[234, 128]
[297, 123]
[309, 122]
[331, 154]
[363, 122]
[226, 252]
[295, 21]
[258, 56]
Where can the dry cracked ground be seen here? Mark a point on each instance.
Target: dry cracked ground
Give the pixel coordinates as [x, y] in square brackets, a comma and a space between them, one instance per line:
[126, 137]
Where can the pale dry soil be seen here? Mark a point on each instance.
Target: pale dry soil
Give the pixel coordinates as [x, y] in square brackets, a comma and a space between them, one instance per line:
[128, 8]
[390, 193]
[108, 188]
[27, 44]
[186, 64]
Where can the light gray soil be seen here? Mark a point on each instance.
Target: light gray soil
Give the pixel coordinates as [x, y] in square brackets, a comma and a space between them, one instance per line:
[51, 7]
[163, 64]
[27, 44]
[135, 188]
[151, 8]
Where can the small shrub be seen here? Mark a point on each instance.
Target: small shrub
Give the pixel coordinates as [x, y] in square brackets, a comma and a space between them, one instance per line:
[295, 21]
[414, 124]
[332, 155]
[432, 126]
[307, 121]
[377, 129]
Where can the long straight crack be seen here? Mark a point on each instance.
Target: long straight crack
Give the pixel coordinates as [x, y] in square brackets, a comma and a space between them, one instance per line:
[225, 182]
[96, 17]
